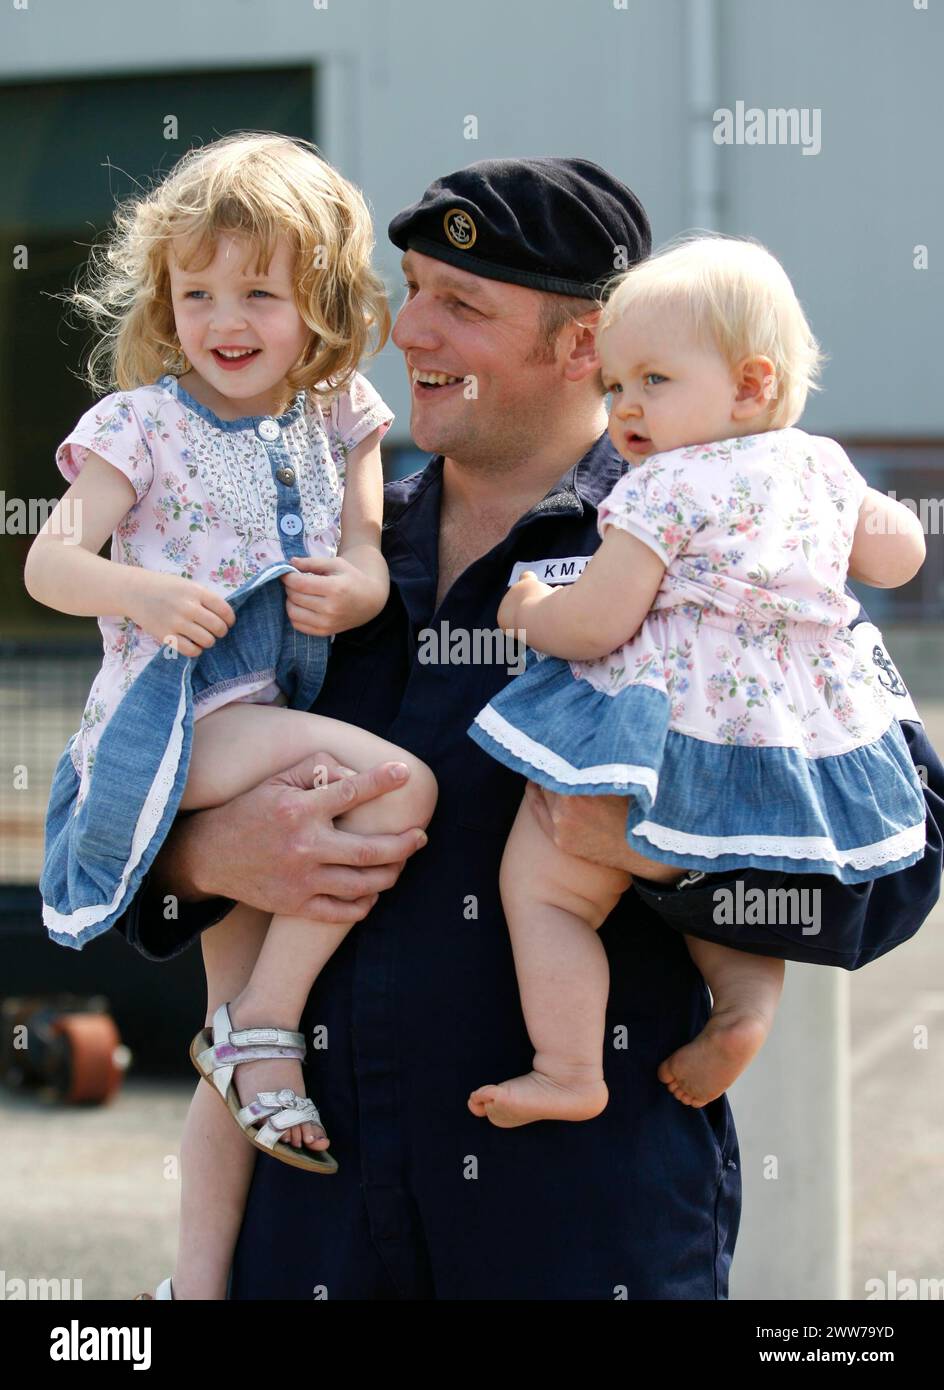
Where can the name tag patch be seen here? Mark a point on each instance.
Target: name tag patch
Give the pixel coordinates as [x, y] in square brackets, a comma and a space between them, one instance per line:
[560, 570]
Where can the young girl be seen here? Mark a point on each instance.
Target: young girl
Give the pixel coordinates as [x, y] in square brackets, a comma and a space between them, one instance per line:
[701, 665]
[249, 267]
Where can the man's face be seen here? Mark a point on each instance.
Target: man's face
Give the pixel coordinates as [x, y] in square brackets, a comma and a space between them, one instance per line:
[476, 336]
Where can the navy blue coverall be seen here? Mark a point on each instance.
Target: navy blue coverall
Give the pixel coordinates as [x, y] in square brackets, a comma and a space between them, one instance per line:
[421, 1002]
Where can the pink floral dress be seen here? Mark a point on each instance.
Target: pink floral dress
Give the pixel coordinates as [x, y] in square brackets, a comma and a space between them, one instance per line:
[741, 717]
[208, 507]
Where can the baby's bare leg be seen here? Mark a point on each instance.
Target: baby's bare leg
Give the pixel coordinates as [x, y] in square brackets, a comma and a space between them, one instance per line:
[554, 903]
[745, 991]
[215, 1162]
[236, 748]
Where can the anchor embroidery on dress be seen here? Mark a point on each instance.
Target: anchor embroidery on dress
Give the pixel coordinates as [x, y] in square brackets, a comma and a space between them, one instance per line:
[894, 685]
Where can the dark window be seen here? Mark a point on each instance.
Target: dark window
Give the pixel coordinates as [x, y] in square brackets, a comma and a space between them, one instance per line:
[75, 148]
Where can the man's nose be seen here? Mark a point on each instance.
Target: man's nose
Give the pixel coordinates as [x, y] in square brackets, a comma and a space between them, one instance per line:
[415, 325]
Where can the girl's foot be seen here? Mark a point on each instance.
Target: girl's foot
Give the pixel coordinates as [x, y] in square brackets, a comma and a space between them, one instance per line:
[251, 1077]
[538, 1096]
[703, 1069]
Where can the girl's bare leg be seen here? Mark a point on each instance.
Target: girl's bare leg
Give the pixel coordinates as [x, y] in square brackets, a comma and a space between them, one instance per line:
[554, 903]
[745, 991]
[237, 747]
[215, 1162]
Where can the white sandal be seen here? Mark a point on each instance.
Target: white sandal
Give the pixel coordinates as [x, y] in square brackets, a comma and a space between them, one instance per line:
[164, 1290]
[217, 1052]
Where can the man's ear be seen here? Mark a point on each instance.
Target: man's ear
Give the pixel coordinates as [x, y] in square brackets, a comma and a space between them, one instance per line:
[581, 347]
[756, 388]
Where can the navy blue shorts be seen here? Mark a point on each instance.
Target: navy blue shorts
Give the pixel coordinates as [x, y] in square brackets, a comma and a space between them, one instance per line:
[737, 909]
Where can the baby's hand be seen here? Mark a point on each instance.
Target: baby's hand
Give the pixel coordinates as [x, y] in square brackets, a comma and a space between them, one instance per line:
[179, 612]
[512, 611]
[328, 595]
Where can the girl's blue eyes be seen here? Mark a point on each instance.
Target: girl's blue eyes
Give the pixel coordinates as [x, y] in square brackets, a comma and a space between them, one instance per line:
[192, 292]
[655, 377]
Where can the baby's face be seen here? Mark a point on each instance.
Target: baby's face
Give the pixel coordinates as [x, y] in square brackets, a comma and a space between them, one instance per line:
[668, 389]
[228, 305]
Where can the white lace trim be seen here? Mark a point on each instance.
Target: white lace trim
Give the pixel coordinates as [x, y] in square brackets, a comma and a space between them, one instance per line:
[540, 757]
[897, 846]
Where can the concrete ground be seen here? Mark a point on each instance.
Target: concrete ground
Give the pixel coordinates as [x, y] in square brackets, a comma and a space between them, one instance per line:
[92, 1194]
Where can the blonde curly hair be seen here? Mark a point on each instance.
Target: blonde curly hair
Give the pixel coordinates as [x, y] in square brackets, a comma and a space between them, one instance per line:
[739, 298]
[261, 185]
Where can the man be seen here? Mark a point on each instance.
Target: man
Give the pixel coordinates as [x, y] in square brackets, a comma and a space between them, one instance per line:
[420, 1002]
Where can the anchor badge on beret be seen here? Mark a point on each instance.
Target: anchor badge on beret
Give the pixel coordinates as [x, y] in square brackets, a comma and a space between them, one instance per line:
[894, 685]
[460, 229]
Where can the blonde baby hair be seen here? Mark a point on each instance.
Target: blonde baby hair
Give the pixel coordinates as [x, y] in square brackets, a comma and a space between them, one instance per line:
[260, 185]
[740, 299]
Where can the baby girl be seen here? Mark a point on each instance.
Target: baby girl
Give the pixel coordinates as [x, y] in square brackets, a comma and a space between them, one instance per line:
[701, 666]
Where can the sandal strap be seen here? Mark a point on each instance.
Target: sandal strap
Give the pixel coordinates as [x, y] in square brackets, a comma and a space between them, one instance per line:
[224, 1032]
[230, 1046]
[281, 1037]
[225, 1054]
[282, 1110]
[218, 1063]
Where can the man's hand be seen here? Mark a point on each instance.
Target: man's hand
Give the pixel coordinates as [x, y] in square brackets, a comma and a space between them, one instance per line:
[276, 847]
[590, 827]
[328, 594]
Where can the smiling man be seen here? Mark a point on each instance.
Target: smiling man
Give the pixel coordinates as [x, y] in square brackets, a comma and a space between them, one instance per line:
[501, 263]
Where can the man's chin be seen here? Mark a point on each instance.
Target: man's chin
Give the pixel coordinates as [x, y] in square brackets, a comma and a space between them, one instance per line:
[430, 439]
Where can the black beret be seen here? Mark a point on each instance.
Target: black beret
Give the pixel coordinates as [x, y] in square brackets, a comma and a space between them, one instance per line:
[550, 224]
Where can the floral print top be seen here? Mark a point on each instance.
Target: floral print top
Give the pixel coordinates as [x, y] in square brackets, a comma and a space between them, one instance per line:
[748, 632]
[207, 502]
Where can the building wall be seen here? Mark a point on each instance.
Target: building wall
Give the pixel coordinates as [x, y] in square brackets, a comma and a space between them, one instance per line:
[618, 85]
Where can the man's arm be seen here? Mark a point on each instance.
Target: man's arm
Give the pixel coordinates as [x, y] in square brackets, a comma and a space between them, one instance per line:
[274, 847]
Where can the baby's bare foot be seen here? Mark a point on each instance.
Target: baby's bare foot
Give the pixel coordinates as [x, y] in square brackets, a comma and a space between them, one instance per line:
[539, 1097]
[275, 1075]
[703, 1069]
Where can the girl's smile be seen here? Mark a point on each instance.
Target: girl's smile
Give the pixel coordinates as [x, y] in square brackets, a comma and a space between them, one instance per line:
[233, 359]
[238, 325]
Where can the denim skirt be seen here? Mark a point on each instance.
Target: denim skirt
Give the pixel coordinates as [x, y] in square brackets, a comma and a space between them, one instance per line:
[714, 807]
[96, 854]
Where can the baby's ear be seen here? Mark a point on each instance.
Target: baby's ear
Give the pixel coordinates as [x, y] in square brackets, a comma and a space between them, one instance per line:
[756, 387]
